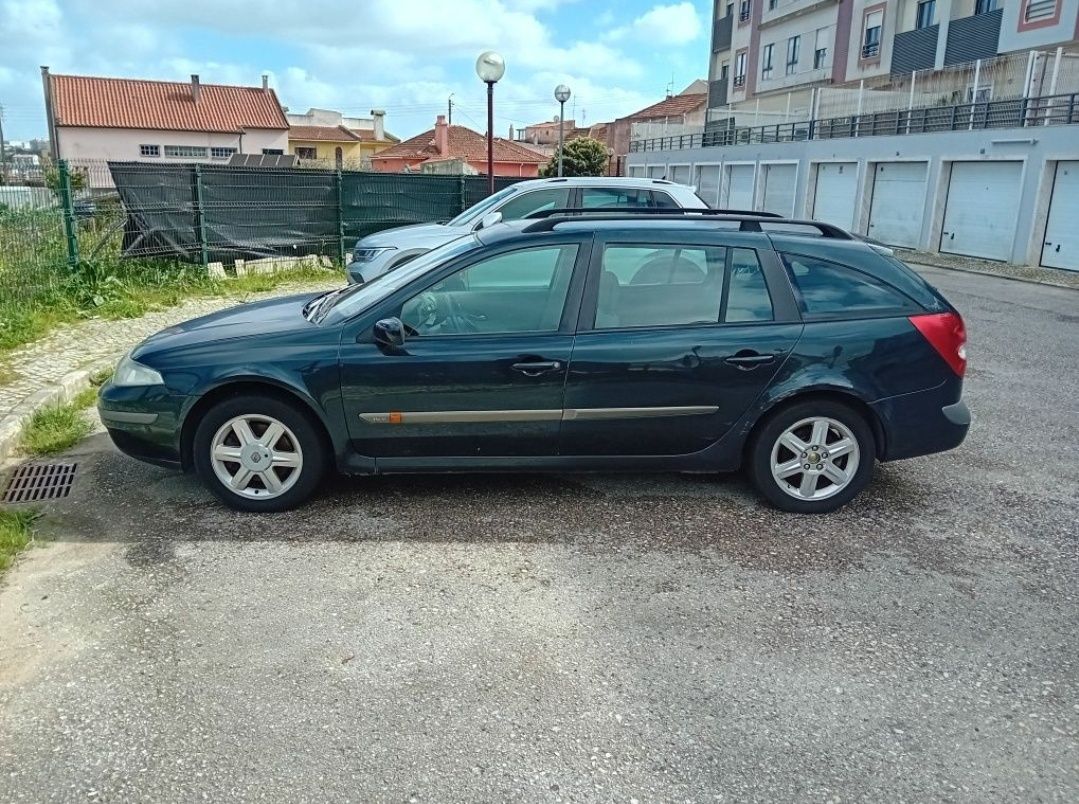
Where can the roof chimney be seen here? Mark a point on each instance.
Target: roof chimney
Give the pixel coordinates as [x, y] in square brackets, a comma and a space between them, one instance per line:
[442, 136]
[265, 82]
[196, 87]
[379, 116]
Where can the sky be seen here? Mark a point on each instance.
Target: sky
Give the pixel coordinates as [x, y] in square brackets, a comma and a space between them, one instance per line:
[404, 56]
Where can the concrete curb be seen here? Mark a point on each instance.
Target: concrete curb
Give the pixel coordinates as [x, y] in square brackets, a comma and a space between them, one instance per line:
[976, 272]
[68, 387]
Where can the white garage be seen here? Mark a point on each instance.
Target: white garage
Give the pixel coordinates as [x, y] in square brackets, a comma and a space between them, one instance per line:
[1060, 248]
[898, 206]
[738, 187]
[835, 197]
[778, 194]
[982, 210]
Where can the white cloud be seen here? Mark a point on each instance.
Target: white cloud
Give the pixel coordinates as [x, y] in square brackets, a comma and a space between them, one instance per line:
[663, 25]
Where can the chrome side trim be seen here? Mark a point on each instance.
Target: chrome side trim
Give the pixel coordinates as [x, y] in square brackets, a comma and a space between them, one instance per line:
[570, 414]
[461, 416]
[126, 416]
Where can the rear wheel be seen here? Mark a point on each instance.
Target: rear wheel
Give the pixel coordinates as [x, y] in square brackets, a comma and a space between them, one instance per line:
[812, 457]
[259, 454]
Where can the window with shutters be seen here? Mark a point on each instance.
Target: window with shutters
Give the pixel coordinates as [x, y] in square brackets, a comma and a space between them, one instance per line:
[1038, 10]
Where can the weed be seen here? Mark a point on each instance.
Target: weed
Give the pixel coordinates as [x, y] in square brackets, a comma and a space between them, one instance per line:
[15, 534]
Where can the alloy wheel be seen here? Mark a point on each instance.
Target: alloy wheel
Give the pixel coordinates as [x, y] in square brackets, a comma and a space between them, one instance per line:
[815, 458]
[256, 456]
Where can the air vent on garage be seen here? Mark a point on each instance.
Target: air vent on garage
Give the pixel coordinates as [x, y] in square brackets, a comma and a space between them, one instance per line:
[33, 482]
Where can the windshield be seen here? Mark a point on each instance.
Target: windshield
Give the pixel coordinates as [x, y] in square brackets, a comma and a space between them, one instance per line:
[358, 298]
[477, 211]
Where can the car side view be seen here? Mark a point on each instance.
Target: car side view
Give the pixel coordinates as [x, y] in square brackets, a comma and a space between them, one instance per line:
[385, 251]
[688, 341]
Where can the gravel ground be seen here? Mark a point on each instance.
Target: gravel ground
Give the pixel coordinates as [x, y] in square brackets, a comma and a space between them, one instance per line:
[574, 638]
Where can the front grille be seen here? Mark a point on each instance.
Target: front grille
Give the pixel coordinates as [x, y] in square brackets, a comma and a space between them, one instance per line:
[33, 482]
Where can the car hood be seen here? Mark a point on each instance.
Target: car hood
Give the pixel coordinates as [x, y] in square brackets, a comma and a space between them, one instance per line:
[283, 314]
[420, 235]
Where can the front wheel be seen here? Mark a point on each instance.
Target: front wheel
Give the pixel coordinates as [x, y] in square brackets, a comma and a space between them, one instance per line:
[259, 454]
[812, 457]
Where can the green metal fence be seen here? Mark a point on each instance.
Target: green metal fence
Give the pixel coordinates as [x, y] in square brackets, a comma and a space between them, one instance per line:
[86, 212]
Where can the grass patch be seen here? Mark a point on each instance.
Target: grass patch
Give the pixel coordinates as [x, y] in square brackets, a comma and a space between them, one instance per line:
[16, 532]
[57, 427]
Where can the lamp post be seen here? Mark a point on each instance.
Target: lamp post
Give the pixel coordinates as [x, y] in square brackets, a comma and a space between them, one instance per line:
[561, 94]
[490, 67]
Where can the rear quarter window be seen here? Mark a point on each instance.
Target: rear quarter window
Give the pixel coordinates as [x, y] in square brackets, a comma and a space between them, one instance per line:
[831, 290]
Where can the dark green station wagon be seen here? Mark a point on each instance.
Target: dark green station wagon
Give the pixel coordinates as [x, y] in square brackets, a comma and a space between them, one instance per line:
[599, 342]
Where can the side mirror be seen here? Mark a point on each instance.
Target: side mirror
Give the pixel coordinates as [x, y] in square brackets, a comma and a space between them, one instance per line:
[390, 333]
[489, 220]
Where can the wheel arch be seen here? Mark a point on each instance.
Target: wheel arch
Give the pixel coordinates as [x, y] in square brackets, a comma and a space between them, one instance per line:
[238, 386]
[844, 396]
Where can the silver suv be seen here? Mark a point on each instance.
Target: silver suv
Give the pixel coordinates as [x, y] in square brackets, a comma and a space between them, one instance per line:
[381, 252]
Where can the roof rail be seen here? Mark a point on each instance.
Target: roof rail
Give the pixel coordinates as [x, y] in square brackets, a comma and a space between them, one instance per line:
[578, 211]
[547, 220]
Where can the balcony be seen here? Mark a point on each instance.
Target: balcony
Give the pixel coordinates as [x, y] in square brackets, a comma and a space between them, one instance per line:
[795, 79]
[915, 50]
[739, 82]
[871, 51]
[717, 93]
[775, 10]
[972, 38]
[721, 33]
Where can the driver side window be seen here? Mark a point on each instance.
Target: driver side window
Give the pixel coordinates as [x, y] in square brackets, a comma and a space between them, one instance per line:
[518, 291]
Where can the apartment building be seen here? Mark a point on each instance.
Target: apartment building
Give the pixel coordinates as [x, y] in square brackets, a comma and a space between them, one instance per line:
[769, 55]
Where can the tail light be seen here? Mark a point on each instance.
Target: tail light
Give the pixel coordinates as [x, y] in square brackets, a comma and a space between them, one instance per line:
[947, 334]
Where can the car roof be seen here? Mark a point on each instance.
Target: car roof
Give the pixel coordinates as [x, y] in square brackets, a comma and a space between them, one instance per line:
[631, 182]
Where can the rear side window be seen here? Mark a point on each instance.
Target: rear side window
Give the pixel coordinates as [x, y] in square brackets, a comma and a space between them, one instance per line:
[828, 289]
[592, 197]
[655, 286]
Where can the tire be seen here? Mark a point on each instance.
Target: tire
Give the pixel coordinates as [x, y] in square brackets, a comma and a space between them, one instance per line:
[848, 452]
[297, 457]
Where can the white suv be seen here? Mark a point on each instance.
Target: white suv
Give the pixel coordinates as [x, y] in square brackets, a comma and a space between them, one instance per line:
[383, 251]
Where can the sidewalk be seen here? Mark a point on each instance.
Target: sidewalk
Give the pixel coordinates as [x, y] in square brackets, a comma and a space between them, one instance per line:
[1025, 273]
[41, 365]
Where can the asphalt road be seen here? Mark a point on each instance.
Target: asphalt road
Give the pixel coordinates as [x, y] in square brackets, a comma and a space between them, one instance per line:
[575, 638]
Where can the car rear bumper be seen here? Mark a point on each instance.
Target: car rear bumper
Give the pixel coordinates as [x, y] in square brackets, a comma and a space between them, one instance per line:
[922, 423]
[143, 422]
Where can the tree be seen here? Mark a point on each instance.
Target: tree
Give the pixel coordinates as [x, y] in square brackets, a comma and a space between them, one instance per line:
[582, 156]
[77, 176]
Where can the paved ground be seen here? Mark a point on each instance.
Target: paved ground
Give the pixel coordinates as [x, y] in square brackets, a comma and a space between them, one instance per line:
[44, 362]
[569, 638]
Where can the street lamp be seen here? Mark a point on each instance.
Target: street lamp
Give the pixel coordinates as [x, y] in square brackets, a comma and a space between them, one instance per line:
[561, 94]
[490, 67]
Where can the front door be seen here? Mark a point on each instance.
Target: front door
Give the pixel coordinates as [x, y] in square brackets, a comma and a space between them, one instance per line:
[676, 343]
[483, 367]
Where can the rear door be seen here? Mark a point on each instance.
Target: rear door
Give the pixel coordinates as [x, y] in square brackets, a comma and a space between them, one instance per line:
[679, 334]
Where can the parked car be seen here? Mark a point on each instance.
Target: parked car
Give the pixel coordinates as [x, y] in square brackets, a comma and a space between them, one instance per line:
[384, 251]
[693, 342]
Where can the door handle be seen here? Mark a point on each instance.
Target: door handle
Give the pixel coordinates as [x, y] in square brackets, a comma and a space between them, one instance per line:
[749, 360]
[534, 368]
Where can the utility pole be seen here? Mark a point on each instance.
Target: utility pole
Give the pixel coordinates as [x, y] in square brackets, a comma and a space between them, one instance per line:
[3, 153]
[449, 109]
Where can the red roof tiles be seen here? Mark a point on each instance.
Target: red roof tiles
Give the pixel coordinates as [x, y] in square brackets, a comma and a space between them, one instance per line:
[464, 143]
[323, 134]
[162, 105]
[674, 106]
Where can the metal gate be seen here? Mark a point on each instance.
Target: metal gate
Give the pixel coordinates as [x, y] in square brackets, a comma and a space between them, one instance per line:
[898, 206]
[982, 210]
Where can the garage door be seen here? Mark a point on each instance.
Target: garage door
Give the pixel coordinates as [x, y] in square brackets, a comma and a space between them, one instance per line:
[836, 193]
[1061, 248]
[779, 182]
[679, 174]
[895, 216]
[708, 183]
[657, 171]
[738, 192]
[982, 210]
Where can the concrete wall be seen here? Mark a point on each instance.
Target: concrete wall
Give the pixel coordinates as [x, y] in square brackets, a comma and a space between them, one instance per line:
[1038, 148]
[1063, 30]
[122, 144]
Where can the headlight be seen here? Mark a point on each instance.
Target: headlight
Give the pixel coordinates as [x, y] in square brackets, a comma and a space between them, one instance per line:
[368, 254]
[130, 373]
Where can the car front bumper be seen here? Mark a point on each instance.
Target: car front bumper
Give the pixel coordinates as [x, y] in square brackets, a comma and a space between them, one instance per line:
[360, 272]
[143, 422]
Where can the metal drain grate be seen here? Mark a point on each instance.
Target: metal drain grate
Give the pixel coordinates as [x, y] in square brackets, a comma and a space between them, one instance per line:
[39, 481]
